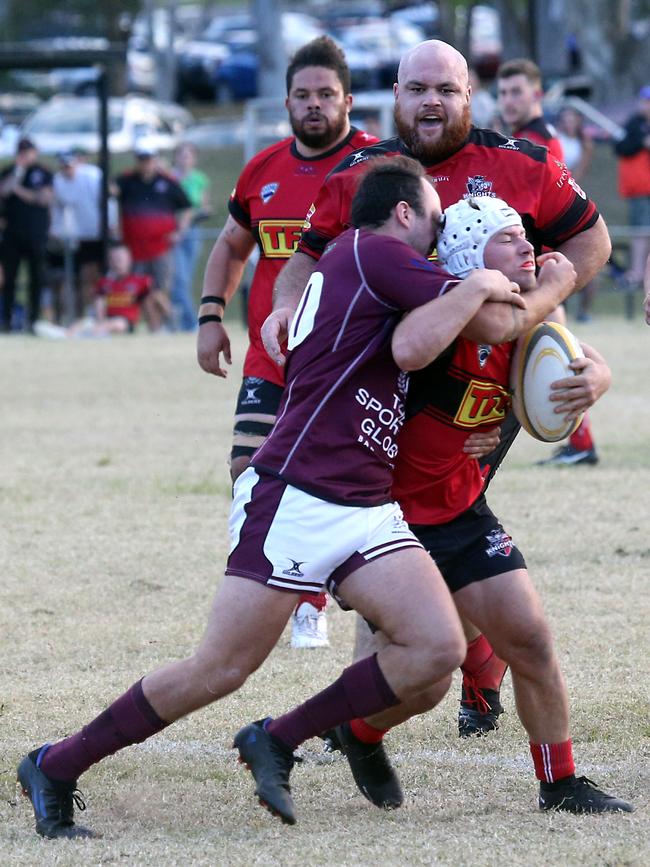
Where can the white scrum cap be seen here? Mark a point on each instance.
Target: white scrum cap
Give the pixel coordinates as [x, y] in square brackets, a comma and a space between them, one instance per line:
[468, 226]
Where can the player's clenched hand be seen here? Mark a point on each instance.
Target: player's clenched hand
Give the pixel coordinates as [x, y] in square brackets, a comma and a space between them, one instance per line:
[575, 394]
[556, 266]
[275, 331]
[212, 340]
[481, 443]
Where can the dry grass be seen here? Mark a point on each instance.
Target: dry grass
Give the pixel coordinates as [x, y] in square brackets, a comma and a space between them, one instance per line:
[114, 498]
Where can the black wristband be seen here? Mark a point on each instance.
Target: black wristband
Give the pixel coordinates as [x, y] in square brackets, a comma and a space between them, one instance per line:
[212, 318]
[214, 299]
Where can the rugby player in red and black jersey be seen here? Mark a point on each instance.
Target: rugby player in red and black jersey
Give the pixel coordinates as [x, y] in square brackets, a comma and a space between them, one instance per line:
[441, 489]
[432, 113]
[519, 92]
[519, 88]
[267, 209]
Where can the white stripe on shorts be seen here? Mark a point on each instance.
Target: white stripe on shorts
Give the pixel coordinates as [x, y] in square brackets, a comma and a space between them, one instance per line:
[380, 550]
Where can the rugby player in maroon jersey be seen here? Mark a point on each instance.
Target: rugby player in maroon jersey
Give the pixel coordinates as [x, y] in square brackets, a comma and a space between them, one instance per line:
[432, 114]
[267, 210]
[315, 507]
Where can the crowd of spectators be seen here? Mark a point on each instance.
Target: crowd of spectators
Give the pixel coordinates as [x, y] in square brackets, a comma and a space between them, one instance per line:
[52, 222]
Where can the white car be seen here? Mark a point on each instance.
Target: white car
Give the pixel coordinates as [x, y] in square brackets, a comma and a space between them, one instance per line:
[67, 122]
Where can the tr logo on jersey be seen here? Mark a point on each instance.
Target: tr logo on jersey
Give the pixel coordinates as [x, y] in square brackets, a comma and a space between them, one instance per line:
[498, 542]
[478, 186]
[294, 569]
[279, 238]
[268, 191]
[483, 402]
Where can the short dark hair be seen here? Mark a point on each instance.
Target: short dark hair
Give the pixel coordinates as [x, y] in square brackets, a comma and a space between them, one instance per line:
[387, 182]
[521, 66]
[322, 51]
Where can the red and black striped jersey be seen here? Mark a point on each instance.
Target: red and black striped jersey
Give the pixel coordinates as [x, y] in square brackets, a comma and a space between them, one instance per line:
[464, 390]
[270, 200]
[541, 188]
[538, 131]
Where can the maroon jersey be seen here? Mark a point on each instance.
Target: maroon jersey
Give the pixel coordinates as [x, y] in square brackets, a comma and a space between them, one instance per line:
[343, 407]
[539, 187]
[463, 391]
[539, 132]
[270, 200]
[124, 294]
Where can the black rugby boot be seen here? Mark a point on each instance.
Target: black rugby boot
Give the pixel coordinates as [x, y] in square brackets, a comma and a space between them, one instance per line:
[270, 762]
[53, 801]
[479, 711]
[371, 768]
[579, 795]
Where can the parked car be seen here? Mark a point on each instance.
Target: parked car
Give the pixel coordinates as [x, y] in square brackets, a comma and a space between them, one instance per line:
[231, 42]
[152, 35]
[65, 122]
[384, 40]
[198, 59]
[14, 108]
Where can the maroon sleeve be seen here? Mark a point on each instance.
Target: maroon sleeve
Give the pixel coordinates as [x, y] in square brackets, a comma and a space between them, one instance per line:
[400, 275]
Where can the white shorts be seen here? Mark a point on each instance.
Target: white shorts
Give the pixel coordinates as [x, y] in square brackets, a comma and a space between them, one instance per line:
[291, 540]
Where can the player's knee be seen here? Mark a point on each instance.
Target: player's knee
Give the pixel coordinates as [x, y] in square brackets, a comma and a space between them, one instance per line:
[428, 698]
[437, 656]
[531, 647]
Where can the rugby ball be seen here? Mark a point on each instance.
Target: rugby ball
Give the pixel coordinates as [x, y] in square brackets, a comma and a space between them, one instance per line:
[541, 357]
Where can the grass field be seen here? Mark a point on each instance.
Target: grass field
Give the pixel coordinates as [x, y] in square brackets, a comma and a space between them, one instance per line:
[113, 509]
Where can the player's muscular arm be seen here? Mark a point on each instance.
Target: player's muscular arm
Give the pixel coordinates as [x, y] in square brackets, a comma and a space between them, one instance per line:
[223, 273]
[426, 331]
[290, 282]
[499, 323]
[588, 251]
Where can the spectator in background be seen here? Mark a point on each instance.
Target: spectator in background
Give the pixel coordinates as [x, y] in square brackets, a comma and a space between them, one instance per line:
[76, 224]
[120, 297]
[484, 105]
[634, 182]
[578, 151]
[26, 194]
[195, 184]
[154, 213]
[519, 89]
[577, 146]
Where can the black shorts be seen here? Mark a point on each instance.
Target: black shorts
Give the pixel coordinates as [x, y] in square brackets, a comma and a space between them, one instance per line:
[472, 547]
[257, 408]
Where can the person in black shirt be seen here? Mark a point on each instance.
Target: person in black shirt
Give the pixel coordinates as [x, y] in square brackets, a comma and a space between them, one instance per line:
[26, 192]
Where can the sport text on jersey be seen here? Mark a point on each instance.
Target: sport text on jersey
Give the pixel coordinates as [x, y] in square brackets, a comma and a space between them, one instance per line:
[381, 426]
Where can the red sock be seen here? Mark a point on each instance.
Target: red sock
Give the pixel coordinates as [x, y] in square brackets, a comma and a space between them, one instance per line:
[581, 438]
[553, 761]
[482, 666]
[366, 733]
[319, 601]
